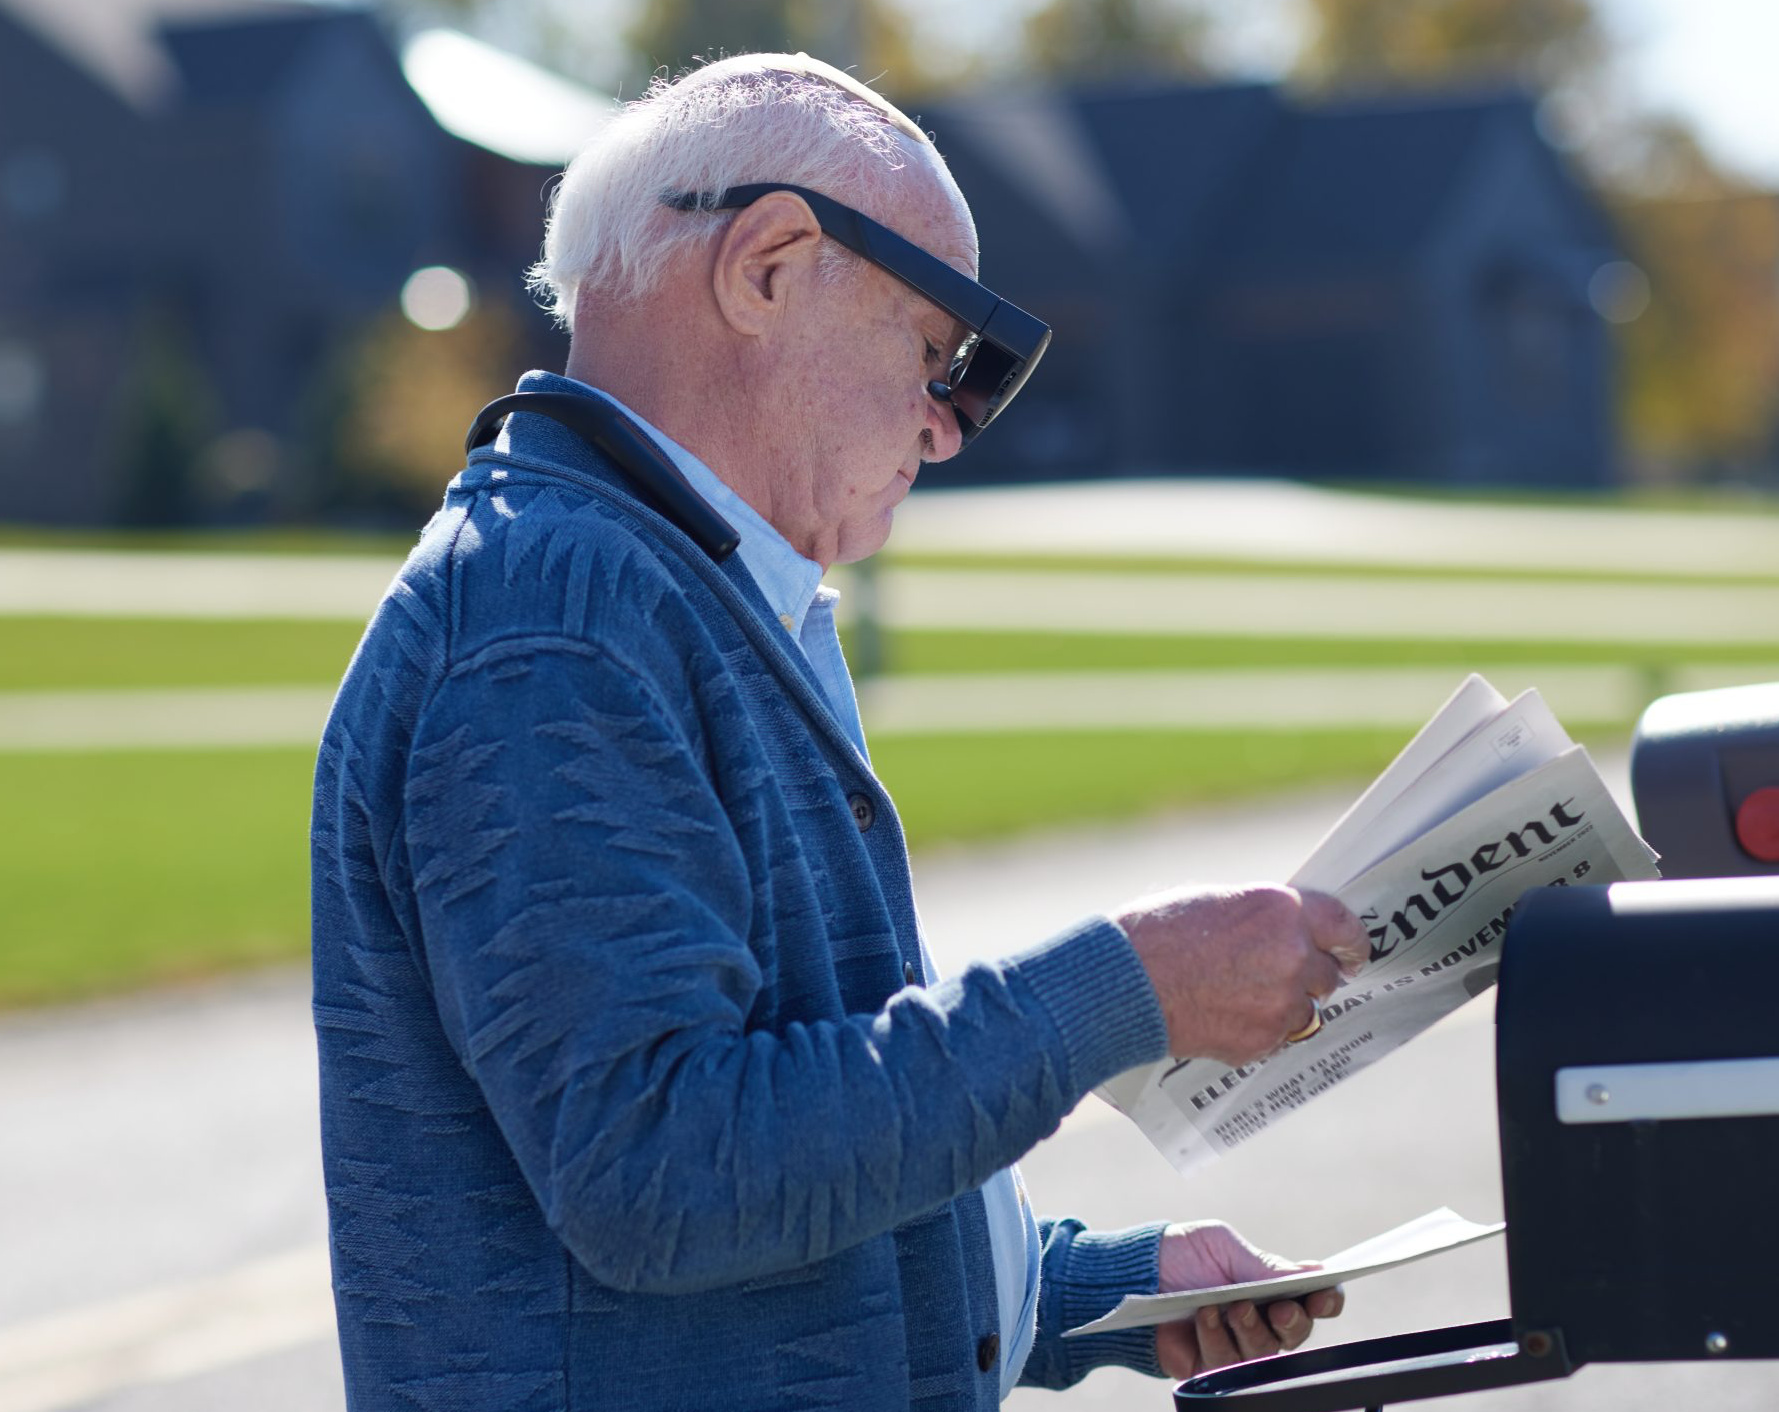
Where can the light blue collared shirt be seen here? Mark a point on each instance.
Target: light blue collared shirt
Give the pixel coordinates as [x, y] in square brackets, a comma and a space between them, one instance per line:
[792, 587]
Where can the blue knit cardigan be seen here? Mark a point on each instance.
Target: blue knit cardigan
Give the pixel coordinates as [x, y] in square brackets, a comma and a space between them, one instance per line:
[626, 1098]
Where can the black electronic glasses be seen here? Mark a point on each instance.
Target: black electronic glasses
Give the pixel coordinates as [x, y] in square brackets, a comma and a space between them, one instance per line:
[1004, 343]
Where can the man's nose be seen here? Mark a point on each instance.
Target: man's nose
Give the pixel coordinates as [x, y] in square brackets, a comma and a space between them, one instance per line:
[945, 436]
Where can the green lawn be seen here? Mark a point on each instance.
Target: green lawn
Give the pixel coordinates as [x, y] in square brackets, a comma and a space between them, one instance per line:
[127, 868]
[968, 651]
[136, 868]
[952, 787]
[72, 654]
[214, 541]
[132, 868]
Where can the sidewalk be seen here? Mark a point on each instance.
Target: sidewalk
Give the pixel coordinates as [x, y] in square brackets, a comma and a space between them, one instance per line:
[1281, 522]
[1265, 523]
[222, 586]
[1329, 605]
[1264, 699]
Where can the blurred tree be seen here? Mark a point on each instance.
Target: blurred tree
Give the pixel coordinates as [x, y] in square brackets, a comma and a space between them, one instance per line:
[870, 38]
[168, 419]
[1089, 39]
[385, 422]
[1701, 366]
[1543, 42]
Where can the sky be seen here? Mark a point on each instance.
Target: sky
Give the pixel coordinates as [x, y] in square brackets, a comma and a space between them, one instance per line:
[1714, 61]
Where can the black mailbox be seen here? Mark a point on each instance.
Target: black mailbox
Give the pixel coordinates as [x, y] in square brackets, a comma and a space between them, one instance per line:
[1637, 1074]
[1705, 777]
[1637, 1065]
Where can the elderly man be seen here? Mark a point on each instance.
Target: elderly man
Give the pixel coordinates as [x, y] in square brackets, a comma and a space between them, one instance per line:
[638, 1088]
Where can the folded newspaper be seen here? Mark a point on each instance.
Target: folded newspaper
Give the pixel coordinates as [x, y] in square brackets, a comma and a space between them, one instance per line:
[1490, 800]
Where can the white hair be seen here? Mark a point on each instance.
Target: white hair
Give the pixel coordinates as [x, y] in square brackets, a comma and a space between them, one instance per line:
[748, 118]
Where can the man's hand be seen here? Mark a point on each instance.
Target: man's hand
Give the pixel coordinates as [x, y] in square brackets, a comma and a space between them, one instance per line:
[1238, 969]
[1208, 1253]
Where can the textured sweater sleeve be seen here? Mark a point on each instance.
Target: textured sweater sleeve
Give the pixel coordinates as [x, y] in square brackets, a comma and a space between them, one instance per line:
[587, 922]
[1084, 1274]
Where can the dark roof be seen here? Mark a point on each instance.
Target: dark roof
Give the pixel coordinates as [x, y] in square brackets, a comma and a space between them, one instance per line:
[116, 43]
[37, 74]
[1360, 185]
[243, 60]
[1238, 174]
[1177, 154]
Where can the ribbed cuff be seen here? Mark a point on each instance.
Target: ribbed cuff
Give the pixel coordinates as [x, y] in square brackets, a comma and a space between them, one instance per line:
[1093, 986]
[1102, 1267]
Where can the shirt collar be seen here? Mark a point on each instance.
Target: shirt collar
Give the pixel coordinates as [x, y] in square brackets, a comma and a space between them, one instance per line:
[785, 578]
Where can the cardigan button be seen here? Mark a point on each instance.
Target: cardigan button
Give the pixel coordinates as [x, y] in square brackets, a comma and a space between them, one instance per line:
[987, 1351]
[864, 812]
[908, 973]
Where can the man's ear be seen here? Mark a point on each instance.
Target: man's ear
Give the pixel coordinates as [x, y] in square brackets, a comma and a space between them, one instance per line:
[770, 247]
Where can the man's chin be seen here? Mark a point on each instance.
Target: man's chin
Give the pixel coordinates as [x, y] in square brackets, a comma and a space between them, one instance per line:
[862, 541]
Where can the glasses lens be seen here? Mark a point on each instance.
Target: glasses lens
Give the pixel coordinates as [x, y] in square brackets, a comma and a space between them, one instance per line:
[984, 383]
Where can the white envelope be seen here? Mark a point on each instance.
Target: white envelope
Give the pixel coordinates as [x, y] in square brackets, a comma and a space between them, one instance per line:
[1439, 1230]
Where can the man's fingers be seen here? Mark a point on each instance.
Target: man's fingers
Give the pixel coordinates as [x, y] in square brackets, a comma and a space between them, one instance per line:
[1216, 1349]
[1176, 1349]
[1326, 1303]
[1254, 1336]
[1289, 1322]
[1335, 929]
[1328, 976]
[1320, 980]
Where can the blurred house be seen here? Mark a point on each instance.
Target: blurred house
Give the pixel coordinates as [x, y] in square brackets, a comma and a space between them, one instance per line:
[202, 203]
[1238, 283]
[205, 205]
